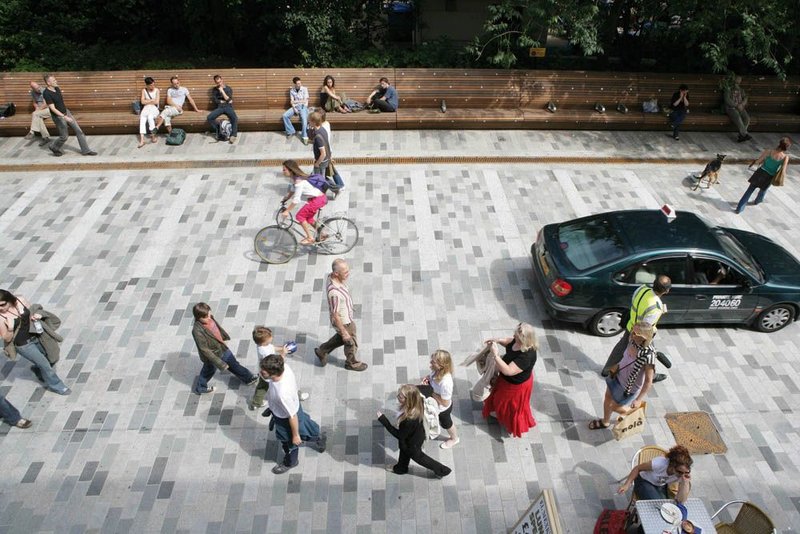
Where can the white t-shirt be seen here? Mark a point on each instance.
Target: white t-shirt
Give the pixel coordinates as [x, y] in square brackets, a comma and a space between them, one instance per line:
[327, 126]
[282, 395]
[658, 476]
[265, 350]
[178, 95]
[303, 187]
[444, 388]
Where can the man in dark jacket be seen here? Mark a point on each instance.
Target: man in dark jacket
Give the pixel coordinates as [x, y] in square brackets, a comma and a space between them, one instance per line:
[223, 98]
[210, 339]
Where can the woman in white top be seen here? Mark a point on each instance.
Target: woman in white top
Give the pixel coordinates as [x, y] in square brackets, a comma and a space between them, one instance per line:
[651, 479]
[300, 187]
[147, 117]
[439, 385]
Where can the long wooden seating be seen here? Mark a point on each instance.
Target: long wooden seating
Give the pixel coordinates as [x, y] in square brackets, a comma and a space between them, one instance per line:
[476, 99]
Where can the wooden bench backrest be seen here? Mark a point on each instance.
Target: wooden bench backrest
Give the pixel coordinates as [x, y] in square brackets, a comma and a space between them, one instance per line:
[767, 94]
[578, 89]
[481, 89]
[355, 84]
[83, 91]
[248, 85]
[704, 92]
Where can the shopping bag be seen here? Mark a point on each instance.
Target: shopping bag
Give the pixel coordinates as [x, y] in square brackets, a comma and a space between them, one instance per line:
[631, 424]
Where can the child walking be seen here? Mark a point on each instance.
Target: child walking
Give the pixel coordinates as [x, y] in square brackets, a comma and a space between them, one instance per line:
[262, 336]
[439, 385]
[411, 433]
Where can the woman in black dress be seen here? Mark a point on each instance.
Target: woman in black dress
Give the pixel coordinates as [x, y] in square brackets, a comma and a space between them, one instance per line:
[411, 433]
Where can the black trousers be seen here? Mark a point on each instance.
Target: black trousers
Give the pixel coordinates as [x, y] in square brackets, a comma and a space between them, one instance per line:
[422, 459]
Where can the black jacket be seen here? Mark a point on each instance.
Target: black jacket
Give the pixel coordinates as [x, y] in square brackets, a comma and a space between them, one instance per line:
[410, 435]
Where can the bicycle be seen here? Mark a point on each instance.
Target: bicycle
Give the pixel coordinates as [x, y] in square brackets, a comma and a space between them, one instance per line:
[277, 243]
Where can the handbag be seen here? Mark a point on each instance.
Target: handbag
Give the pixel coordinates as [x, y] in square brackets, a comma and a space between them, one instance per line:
[779, 177]
[630, 424]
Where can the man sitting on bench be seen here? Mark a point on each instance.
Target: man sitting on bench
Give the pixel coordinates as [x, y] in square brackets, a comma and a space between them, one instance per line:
[383, 98]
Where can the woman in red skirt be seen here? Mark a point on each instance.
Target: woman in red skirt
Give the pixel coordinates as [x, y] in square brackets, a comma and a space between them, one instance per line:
[510, 399]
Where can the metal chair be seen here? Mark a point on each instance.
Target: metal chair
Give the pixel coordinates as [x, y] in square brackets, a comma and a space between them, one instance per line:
[750, 520]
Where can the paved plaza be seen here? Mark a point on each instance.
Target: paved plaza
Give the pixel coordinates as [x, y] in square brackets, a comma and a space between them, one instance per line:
[121, 254]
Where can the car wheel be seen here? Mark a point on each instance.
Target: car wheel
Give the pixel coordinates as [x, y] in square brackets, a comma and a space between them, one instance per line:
[606, 323]
[774, 318]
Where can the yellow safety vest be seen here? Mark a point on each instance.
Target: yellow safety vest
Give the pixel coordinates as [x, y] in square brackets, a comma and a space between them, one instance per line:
[644, 304]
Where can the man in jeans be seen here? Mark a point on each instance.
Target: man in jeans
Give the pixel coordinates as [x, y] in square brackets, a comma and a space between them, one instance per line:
[340, 305]
[176, 97]
[321, 145]
[223, 97]
[298, 97]
[210, 339]
[40, 112]
[63, 119]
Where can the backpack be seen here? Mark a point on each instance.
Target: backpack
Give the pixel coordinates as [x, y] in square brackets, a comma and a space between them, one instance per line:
[176, 137]
[8, 110]
[318, 181]
[224, 130]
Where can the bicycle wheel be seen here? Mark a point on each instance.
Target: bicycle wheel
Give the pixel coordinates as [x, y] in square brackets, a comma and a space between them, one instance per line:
[342, 235]
[274, 244]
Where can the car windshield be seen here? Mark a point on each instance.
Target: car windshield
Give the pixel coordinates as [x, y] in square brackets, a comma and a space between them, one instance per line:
[590, 242]
[737, 252]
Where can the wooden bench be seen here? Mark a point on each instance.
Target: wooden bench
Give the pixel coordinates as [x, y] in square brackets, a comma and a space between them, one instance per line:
[476, 99]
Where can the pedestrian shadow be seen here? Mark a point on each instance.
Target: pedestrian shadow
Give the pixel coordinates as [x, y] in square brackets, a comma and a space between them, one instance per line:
[182, 367]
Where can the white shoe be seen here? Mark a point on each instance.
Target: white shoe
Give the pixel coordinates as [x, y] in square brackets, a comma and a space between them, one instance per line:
[449, 444]
[303, 395]
[254, 406]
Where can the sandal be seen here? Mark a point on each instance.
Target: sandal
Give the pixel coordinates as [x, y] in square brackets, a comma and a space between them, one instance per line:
[307, 242]
[598, 424]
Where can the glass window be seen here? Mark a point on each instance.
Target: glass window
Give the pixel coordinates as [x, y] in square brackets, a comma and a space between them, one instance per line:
[738, 253]
[707, 271]
[645, 273]
[589, 243]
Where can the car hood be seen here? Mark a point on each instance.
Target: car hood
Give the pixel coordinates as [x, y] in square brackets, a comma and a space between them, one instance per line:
[780, 267]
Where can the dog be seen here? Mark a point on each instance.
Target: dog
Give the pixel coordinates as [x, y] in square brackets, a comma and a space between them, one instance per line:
[711, 172]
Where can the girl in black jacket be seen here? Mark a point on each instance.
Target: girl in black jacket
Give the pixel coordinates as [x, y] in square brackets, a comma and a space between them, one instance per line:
[411, 434]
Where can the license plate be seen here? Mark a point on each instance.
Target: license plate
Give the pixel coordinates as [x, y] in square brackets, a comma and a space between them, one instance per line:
[543, 263]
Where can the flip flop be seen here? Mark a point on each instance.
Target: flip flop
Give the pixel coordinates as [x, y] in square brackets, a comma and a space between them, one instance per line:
[307, 242]
[598, 424]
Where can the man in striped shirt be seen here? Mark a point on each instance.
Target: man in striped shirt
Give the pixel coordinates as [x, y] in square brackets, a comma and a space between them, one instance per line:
[340, 305]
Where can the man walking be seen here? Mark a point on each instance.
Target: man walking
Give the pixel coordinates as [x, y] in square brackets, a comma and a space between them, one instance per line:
[321, 145]
[210, 339]
[298, 98]
[40, 112]
[292, 425]
[646, 307]
[223, 97]
[63, 119]
[176, 98]
[340, 305]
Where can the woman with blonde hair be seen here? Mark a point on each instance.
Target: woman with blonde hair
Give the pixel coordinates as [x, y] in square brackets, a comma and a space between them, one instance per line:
[411, 433]
[439, 385]
[510, 399]
[629, 381]
[769, 163]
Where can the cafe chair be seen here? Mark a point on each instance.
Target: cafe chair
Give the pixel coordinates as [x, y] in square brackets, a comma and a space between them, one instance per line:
[645, 454]
[750, 520]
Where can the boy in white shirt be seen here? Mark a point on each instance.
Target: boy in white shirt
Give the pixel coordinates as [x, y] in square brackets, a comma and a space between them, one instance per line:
[262, 336]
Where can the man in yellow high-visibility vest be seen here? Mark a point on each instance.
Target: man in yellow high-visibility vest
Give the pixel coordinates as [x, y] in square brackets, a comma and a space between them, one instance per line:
[647, 307]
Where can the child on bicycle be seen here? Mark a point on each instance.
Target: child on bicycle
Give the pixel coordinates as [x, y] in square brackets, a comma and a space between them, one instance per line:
[302, 187]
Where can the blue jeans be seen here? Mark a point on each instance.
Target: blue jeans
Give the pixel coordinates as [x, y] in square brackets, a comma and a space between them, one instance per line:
[241, 372]
[225, 109]
[34, 353]
[7, 411]
[676, 118]
[747, 194]
[646, 491]
[287, 120]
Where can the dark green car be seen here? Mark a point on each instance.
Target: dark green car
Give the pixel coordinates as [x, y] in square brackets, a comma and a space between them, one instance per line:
[588, 268]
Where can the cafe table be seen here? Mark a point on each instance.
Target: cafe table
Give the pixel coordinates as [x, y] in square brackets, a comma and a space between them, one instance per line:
[649, 513]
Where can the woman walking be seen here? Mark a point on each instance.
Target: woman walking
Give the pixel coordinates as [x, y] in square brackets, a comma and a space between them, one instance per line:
[411, 433]
[629, 381]
[21, 331]
[769, 163]
[147, 117]
[510, 399]
[439, 385]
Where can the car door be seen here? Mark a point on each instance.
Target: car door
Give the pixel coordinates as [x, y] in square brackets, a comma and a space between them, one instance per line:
[679, 299]
[722, 294]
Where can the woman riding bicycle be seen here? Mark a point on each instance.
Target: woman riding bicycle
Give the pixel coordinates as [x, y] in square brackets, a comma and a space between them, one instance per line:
[300, 187]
